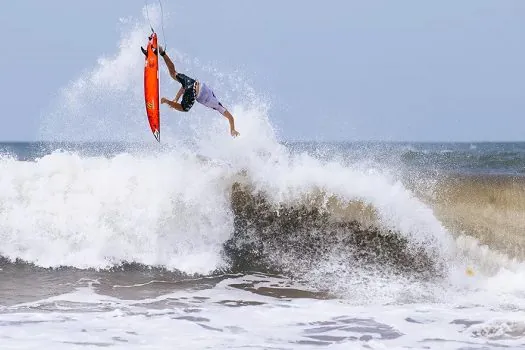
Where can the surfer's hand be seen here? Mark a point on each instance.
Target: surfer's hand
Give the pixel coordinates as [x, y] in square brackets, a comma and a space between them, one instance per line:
[161, 50]
[234, 133]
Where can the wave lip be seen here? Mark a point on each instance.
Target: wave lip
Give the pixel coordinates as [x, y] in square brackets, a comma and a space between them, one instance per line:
[296, 237]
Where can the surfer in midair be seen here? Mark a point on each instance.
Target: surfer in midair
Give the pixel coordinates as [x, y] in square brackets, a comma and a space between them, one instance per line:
[193, 90]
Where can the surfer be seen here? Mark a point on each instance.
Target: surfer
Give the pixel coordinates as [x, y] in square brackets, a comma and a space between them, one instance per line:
[193, 90]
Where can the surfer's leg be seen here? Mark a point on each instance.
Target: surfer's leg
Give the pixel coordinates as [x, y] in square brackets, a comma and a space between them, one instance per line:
[172, 104]
[187, 101]
[207, 98]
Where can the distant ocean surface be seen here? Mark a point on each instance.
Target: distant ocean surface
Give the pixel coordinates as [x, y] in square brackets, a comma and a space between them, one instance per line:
[460, 158]
[276, 246]
[506, 158]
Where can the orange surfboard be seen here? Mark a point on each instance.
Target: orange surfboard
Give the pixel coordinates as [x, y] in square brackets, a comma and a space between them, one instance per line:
[151, 85]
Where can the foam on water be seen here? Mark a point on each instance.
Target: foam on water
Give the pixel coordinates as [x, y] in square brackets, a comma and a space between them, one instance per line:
[95, 212]
[226, 317]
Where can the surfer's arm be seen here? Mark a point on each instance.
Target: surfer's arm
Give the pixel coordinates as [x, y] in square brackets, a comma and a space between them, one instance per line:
[169, 64]
[179, 94]
[228, 116]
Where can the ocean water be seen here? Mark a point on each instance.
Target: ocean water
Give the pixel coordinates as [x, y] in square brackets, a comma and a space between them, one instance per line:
[110, 240]
[121, 246]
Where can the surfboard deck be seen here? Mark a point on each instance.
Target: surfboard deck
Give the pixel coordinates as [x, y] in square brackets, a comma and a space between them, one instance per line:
[151, 85]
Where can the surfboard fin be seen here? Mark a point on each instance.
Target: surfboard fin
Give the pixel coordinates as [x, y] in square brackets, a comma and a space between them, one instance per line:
[156, 133]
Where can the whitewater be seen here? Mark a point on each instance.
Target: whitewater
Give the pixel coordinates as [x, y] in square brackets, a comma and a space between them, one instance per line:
[204, 241]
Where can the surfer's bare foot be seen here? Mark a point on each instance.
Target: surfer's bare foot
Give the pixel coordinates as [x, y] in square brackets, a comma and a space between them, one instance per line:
[234, 133]
[163, 100]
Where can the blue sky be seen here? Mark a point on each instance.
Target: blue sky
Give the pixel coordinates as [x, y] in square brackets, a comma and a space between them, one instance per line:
[334, 70]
